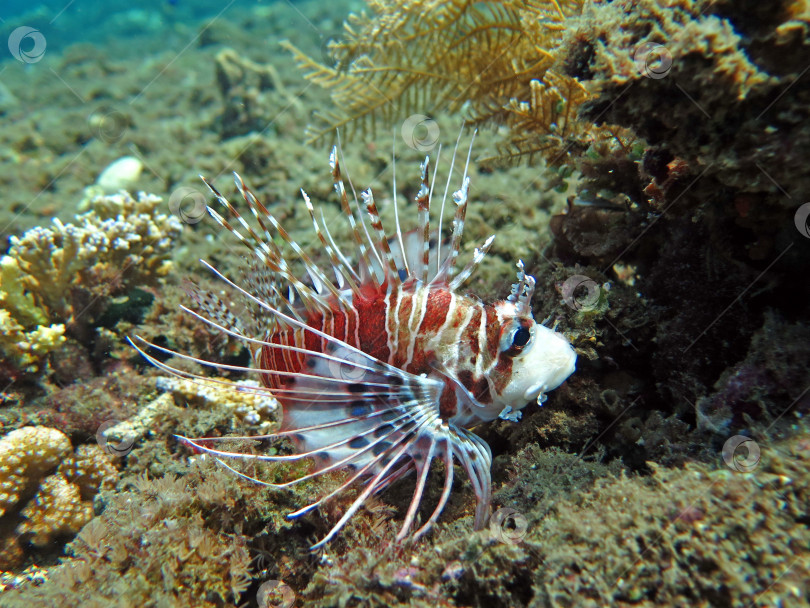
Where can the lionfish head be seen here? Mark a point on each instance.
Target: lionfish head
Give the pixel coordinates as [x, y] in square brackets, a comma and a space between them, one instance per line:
[532, 358]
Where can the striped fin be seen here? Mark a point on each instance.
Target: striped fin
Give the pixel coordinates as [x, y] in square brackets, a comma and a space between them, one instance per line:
[315, 273]
[423, 204]
[522, 291]
[388, 261]
[399, 258]
[362, 247]
[265, 250]
[460, 199]
[212, 306]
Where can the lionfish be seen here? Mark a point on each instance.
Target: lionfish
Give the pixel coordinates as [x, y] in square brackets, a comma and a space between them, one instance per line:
[382, 369]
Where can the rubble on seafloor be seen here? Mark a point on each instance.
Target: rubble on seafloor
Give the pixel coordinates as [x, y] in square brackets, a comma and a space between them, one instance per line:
[245, 401]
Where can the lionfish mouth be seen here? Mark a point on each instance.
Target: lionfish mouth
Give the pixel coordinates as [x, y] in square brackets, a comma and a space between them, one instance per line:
[346, 406]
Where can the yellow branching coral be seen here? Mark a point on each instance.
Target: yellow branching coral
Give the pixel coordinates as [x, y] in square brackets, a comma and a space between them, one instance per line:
[25, 349]
[122, 242]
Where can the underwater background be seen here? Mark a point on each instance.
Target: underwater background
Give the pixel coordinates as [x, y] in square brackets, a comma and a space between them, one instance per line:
[647, 160]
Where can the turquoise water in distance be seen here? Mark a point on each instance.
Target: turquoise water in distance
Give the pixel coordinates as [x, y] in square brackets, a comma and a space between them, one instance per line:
[65, 22]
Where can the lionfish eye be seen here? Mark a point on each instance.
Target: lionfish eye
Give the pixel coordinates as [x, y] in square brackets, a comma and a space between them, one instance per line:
[516, 337]
[521, 337]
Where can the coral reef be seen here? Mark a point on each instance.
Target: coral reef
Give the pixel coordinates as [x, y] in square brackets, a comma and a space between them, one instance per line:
[64, 502]
[168, 541]
[121, 243]
[25, 456]
[56, 509]
[246, 401]
[60, 280]
[682, 165]
[38, 463]
[723, 68]
[587, 536]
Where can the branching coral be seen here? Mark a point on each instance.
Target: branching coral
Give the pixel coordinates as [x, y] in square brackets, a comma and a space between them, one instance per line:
[58, 278]
[121, 243]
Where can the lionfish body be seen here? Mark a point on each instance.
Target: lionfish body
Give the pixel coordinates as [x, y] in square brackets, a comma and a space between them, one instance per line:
[382, 369]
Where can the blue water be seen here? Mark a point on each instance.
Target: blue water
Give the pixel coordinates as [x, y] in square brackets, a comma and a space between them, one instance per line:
[65, 22]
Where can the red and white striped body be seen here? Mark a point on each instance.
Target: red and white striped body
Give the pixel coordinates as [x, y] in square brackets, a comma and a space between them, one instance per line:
[383, 369]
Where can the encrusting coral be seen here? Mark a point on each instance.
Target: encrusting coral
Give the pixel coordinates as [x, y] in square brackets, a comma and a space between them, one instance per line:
[731, 70]
[60, 502]
[25, 456]
[56, 509]
[244, 401]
